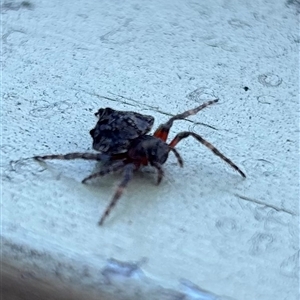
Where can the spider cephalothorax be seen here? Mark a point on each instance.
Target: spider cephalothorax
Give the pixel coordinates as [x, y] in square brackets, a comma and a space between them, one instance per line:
[123, 142]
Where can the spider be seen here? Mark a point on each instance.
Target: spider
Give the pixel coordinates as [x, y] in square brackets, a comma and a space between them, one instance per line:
[123, 142]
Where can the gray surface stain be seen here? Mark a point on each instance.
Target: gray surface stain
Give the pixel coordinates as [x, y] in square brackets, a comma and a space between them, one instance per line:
[15, 6]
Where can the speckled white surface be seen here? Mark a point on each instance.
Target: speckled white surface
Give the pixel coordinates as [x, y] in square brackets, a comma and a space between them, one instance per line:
[204, 233]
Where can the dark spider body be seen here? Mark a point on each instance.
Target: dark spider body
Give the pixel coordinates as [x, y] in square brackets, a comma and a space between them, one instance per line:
[123, 143]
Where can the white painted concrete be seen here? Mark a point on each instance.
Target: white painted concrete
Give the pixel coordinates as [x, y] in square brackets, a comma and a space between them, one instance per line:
[204, 233]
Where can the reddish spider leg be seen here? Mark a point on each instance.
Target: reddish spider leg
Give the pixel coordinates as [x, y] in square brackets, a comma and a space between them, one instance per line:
[128, 173]
[74, 155]
[158, 166]
[179, 158]
[185, 134]
[109, 169]
[162, 131]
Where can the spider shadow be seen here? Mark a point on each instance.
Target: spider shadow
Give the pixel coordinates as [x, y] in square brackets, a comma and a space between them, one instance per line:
[144, 176]
[143, 194]
[207, 180]
[141, 189]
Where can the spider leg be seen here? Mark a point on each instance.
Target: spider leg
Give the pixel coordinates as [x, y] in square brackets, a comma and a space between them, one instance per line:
[160, 171]
[128, 172]
[159, 168]
[163, 130]
[185, 134]
[74, 155]
[109, 169]
[178, 156]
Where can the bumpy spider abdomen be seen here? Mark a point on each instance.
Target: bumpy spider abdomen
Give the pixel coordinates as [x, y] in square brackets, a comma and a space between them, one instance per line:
[115, 129]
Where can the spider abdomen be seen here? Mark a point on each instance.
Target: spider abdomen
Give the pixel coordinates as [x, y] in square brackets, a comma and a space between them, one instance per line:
[115, 130]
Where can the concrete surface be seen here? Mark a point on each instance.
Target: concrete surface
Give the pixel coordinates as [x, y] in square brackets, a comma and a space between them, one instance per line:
[204, 233]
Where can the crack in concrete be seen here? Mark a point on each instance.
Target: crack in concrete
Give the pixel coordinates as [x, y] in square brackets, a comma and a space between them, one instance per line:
[266, 204]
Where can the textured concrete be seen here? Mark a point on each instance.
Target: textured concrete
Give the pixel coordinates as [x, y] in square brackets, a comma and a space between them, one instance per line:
[204, 233]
